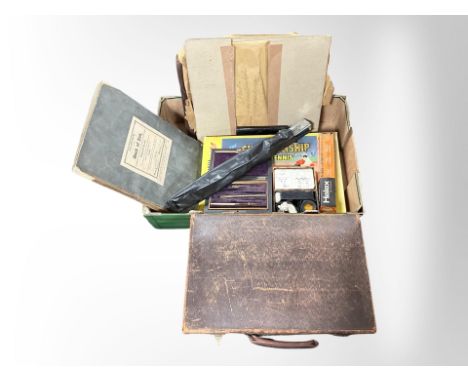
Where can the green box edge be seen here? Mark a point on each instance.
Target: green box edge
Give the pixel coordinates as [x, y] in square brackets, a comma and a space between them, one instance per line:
[167, 220]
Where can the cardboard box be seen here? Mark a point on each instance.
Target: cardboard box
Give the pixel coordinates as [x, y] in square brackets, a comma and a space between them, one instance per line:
[274, 286]
[334, 117]
[275, 273]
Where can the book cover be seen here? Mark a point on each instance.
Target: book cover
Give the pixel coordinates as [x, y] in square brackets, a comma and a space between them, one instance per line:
[126, 147]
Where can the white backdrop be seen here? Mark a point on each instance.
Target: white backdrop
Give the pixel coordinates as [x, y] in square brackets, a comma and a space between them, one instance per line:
[85, 280]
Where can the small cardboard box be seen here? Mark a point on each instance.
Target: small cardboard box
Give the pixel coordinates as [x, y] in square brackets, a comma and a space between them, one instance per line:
[334, 118]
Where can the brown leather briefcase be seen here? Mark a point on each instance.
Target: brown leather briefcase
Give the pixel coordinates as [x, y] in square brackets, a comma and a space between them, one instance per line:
[277, 274]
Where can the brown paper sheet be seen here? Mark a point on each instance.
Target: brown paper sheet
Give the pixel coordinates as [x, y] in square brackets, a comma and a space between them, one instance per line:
[188, 105]
[251, 77]
[349, 151]
[228, 58]
[354, 197]
[274, 77]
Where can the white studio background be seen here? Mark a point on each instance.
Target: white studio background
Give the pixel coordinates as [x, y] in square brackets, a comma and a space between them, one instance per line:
[87, 281]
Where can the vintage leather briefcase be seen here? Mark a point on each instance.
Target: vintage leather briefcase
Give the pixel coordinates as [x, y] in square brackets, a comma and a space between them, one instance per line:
[277, 274]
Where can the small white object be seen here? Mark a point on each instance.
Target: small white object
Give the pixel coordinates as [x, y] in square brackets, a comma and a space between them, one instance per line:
[287, 207]
[277, 197]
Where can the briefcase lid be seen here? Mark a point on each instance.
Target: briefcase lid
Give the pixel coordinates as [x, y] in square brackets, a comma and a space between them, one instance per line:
[277, 274]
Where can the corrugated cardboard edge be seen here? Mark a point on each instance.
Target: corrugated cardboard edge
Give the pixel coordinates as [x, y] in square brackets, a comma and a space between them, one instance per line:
[189, 114]
[162, 100]
[352, 187]
[354, 194]
[328, 91]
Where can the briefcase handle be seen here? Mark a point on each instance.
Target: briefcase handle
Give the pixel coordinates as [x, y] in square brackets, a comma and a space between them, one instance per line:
[270, 342]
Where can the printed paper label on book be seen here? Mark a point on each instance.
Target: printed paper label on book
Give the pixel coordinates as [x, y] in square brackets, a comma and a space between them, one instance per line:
[146, 151]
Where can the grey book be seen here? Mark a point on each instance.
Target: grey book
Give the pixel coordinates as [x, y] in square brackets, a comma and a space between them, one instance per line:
[128, 148]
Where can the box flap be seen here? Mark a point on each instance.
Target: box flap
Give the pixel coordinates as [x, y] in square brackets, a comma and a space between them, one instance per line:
[277, 274]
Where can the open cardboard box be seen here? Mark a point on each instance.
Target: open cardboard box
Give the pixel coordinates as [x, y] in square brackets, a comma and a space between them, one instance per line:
[334, 117]
[256, 274]
[263, 286]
